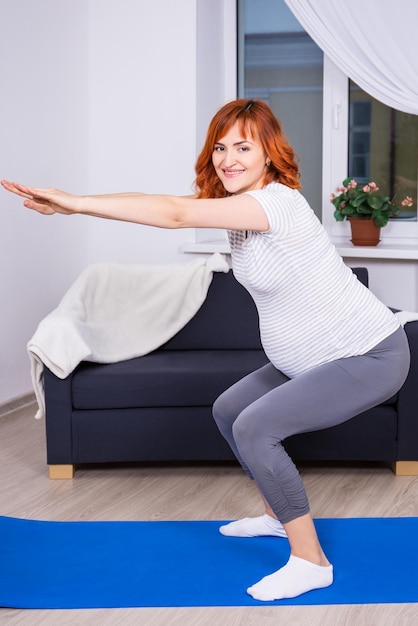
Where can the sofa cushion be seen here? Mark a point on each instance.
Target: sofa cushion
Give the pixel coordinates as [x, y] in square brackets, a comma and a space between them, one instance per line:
[163, 378]
[227, 320]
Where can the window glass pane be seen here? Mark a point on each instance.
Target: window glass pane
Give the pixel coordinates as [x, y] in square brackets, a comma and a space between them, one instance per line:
[280, 64]
[383, 148]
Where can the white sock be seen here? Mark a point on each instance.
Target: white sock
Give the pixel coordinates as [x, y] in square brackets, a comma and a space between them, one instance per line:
[296, 577]
[262, 526]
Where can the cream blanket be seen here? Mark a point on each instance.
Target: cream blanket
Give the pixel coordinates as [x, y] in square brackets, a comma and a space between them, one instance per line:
[116, 312]
[406, 316]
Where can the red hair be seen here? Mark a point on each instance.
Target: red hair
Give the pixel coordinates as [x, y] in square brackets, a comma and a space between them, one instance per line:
[257, 120]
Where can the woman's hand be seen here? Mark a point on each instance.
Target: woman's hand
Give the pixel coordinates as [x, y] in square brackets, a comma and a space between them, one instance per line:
[46, 201]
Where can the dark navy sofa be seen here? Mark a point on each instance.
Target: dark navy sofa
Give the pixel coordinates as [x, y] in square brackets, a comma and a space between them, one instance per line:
[157, 408]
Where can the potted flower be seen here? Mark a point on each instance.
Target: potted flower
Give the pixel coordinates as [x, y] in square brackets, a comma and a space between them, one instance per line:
[364, 208]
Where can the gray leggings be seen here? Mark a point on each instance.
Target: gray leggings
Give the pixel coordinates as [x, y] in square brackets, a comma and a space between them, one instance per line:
[257, 413]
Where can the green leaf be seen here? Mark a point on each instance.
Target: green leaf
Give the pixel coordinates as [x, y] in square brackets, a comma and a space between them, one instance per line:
[381, 220]
[359, 200]
[364, 209]
[376, 202]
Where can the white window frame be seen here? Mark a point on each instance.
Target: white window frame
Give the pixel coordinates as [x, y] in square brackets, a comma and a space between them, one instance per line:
[216, 81]
[335, 161]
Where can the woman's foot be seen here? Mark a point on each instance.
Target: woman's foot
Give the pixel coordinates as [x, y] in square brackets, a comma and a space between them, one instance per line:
[295, 578]
[262, 526]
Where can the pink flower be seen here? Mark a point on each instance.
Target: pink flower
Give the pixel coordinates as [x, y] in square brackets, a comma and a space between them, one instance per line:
[370, 188]
[352, 184]
[407, 201]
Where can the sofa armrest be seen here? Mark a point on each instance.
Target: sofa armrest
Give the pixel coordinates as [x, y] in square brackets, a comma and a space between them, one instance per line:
[58, 418]
[408, 402]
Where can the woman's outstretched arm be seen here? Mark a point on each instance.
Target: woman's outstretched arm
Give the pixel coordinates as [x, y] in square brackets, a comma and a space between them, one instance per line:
[240, 212]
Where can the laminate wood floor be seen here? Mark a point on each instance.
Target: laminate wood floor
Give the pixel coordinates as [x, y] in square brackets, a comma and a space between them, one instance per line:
[200, 492]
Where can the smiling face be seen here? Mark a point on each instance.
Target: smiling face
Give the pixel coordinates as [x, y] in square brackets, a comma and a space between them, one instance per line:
[239, 162]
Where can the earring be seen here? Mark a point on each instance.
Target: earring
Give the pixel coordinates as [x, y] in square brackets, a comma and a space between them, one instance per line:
[268, 162]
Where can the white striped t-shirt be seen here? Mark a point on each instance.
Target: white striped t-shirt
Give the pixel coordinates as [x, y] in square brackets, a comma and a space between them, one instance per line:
[312, 308]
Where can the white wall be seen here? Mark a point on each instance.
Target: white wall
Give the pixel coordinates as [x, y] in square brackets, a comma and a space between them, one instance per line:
[393, 281]
[97, 96]
[142, 117]
[43, 142]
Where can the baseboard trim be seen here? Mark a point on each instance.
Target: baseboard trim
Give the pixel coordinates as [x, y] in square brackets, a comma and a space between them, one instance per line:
[16, 403]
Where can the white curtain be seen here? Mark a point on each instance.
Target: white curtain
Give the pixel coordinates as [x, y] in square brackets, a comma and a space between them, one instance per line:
[374, 42]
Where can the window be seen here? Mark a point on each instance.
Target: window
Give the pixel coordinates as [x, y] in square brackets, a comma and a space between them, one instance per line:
[282, 65]
[323, 113]
[336, 128]
[359, 140]
[383, 147]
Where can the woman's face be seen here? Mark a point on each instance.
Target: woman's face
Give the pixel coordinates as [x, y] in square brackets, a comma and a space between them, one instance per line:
[239, 161]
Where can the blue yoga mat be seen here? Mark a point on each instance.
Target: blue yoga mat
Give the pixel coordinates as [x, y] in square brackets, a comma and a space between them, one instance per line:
[51, 565]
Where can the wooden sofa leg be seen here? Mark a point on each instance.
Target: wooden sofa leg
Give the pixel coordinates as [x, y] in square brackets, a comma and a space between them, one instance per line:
[61, 472]
[405, 468]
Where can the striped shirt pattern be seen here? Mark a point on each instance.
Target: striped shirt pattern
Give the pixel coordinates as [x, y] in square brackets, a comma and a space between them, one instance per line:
[312, 308]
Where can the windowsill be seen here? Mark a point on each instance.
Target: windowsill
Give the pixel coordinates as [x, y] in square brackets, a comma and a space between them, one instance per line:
[384, 250]
[346, 249]
[207, 247]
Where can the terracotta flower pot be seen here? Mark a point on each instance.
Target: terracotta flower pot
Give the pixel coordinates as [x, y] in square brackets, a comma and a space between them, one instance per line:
[364, 232]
